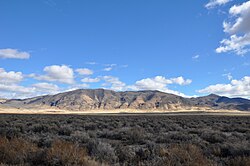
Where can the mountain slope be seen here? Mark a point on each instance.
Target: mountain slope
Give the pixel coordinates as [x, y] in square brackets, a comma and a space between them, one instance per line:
[88, 99]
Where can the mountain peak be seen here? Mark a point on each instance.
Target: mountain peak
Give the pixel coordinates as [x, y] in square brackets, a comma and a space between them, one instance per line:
[213, 95]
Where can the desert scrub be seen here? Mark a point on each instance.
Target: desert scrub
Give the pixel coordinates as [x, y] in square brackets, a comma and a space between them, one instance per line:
[66, 153]
[185, 155]
[18, 151]
[124, 140]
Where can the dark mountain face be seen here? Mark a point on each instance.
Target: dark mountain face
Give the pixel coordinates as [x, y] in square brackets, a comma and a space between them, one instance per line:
[88, 99]
[205, 101]
[233, 100]
[237, 103]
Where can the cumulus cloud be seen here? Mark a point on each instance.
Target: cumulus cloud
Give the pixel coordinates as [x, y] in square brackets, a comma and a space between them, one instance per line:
[214, 3]
[160, 83]
[242, 17]
[10, 77]
[19, 91]
[90, 80]
[114, 83]
[9, 84]
[180, 81]
[237, 44]
[46, 87]
[16, 89]
[157, 83]
[239, 29]
[55, 73]
[236, 88]
[11, 87]
[9, 53]
[84, 71]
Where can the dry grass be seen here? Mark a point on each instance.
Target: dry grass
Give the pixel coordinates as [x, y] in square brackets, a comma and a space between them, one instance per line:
[185, 155]
[66, 153]
[17, 151]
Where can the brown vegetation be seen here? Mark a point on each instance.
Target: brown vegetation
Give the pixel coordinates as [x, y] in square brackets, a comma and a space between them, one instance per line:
[17, 151]
[124, 140]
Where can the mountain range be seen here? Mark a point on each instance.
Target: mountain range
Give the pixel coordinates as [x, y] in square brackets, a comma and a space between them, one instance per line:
[93, 99]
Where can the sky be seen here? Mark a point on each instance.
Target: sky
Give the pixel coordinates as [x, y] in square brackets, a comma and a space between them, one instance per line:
[188, 48]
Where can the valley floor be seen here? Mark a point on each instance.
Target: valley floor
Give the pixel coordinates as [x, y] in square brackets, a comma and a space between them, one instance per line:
[122, 111]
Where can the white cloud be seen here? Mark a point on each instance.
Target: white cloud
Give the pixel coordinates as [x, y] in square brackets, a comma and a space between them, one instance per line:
[77, 86]
[236, 88]
[162, 80]
[114, 83]
[18, 91]
[10, 87]
[9, 84]
[109, 67]
[9, 53]
[55, 73]
[150, 84]
[10, 77]
[160, 83]
[82, 85]
[46, 87]
[157, 83]
[241, 23]
[214, 3]
[180, 81]
[84, 71]
[16, 88]
[237, 44]
[228, 75]
[239, 30]
[90, 80]
[91, 63]
[196, 57]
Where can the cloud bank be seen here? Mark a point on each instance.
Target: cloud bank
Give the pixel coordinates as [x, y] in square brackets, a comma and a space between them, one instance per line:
[236, 88]
[238, 27]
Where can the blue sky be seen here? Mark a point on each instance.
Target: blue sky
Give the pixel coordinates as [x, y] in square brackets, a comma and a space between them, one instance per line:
[181, 47]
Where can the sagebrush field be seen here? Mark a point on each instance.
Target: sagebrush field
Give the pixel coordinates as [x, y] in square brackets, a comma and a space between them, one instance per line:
[124, 140]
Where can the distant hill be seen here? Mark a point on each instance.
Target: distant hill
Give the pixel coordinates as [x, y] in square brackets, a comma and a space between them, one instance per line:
[90, 99]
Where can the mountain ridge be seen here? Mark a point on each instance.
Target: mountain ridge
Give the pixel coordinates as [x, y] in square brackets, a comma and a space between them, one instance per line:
[91, 99]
